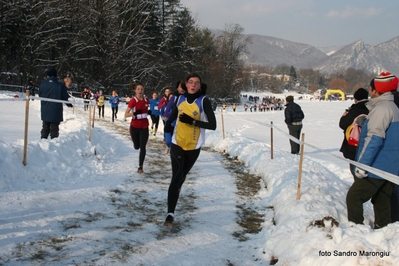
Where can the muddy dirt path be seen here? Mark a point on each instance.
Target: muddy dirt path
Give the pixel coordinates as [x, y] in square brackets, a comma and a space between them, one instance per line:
[217, 215]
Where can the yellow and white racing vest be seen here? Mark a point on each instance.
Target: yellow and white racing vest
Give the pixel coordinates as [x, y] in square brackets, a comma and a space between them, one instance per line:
[189, 137]
[101, 100]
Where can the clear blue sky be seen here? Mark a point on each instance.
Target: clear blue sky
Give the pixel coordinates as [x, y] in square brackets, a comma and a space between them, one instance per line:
[321, 23]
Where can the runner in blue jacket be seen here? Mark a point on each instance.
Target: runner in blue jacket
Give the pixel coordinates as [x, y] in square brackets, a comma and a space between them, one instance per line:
[154, 102]
[114, 101]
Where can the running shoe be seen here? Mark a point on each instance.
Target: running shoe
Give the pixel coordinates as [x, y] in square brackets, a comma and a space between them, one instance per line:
[140, 170]
[169, 220]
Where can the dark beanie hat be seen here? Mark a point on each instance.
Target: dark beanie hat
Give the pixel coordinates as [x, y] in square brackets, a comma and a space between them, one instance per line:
[289, 99]
[361, 94]
[385, 82]
[52, 72]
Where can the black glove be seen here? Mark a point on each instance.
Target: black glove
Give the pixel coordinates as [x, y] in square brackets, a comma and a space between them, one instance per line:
[149, 112]
[69, 105]
[138, 112]
[185, 118]
[168, 127]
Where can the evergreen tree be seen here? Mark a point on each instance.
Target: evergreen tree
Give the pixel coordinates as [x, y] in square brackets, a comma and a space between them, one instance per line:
[293, 73]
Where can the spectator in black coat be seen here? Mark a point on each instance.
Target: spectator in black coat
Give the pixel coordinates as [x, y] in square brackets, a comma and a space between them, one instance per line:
[293, 118]
[52, 112]
[359, 107]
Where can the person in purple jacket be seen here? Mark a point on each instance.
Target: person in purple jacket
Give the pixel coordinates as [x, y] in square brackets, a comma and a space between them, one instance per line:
[180, 89]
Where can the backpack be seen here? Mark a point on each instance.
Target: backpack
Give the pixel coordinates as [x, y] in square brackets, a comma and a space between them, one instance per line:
[352, 133]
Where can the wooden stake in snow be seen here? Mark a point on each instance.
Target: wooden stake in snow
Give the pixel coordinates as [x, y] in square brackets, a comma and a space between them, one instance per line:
[26, 127]
[298, 193]
[94, 115]
[271, 140]
[223, 125]
[89, 126]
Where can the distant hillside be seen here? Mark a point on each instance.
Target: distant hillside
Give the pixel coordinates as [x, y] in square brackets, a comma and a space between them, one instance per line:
[356, 55]
[330, 50]
[270, 51]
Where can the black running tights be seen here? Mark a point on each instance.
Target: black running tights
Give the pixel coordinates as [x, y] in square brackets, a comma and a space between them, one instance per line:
[182, 162]
[140, 138]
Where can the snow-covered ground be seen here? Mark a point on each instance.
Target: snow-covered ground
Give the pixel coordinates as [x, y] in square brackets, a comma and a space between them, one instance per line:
[78, 202]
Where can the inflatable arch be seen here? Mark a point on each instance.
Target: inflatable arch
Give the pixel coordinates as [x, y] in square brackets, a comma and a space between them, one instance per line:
[335, 91]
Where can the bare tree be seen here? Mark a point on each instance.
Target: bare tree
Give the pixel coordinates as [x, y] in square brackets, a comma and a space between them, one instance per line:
[228, 66]
[338, 84]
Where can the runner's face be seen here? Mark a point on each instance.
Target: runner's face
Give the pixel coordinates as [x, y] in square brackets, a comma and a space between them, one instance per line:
[180, 90]
[154, 95]
[139, 90]
[167, 92]
[193, 85]
[67, 81]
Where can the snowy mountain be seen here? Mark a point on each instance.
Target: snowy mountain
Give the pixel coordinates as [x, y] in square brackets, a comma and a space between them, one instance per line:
[330, 49]
[356, 55]
[270, 51]
[388, 55]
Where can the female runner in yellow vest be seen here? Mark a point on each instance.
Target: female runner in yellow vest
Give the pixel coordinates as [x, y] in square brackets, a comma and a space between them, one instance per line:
[193, 114]
[100, 104]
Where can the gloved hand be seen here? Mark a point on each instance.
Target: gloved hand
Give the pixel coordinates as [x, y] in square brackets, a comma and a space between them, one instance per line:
[149, 112]
[69, 105]
[185, 118]
[137, 112]
[359, 173]
[168, 127]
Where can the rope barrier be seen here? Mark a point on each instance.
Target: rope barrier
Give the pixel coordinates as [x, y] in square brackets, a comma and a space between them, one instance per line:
[385, 175]
[288, 135]
[8, 85]
[388, 176]
[91, 103]
[11, 99]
